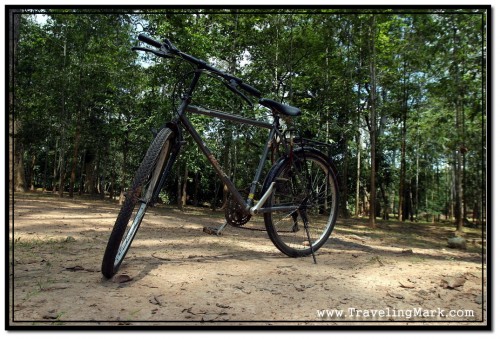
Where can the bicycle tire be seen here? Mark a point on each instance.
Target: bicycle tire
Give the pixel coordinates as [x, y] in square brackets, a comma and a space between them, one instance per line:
[305, 179]
[137, 201]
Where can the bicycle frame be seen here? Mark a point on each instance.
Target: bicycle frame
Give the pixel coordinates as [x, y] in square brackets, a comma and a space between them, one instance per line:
[289, 181]
[181, 119]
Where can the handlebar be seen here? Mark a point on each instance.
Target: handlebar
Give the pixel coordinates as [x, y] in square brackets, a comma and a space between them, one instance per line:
[150, 41]
[168, 50]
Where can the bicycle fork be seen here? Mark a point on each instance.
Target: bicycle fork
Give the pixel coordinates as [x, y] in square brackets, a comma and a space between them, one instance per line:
[176, 148]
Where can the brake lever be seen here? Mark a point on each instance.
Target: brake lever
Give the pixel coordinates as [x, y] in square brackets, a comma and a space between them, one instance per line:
[232, 86]
[170, 46]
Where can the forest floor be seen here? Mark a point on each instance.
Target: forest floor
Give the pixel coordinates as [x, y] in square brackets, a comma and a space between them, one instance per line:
[176, 275]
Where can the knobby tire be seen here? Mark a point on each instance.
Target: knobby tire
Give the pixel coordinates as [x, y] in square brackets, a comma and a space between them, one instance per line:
[129, 218]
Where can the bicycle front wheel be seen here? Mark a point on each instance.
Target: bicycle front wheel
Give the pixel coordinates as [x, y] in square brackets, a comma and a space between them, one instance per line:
[305, 202]
[137, 201]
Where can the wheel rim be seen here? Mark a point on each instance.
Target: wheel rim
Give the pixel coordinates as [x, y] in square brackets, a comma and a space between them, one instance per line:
[316, 197]
[127, 240]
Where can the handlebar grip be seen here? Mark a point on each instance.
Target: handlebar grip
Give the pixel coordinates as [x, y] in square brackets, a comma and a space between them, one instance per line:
[149, 41]
[250, 89]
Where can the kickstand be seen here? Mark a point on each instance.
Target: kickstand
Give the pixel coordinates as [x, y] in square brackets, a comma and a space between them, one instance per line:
[310, 243]
[214, 230]
[303, 215]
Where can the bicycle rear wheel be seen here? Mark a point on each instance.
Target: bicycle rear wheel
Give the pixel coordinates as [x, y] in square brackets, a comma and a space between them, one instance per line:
[304, 182]
[137, 201]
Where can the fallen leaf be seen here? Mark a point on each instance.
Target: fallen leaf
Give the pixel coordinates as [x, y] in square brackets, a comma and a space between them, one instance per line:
[395, 295]
[452, 282]
[122, 278]
[222, 306]
[75, 268]
[156, 300]
[50, 316]
[406, 285]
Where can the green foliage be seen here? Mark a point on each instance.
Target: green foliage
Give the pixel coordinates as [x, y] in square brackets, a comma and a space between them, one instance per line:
[81, 91]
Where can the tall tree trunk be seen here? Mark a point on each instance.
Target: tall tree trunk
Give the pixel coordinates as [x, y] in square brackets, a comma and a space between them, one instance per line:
[74, 162]
[76, 145]
[62, 155]
[62, 170]
[55, 167]
[359, 147]
[179, 188]
[32, 172]
[81, 186]
[373, 128]
[196, 188]
[459, 211]
[358, 174]
[45, 168]
[227, 130]
[126, 147]
[460, 127]
[402, 171]
[16, 151]
[182, 187]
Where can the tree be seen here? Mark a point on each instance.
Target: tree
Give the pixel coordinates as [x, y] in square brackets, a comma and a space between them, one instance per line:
[408, 86]
[373, 121]
[16, 161]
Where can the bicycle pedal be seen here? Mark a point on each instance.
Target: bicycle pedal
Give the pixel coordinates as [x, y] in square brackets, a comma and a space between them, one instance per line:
[211, 231]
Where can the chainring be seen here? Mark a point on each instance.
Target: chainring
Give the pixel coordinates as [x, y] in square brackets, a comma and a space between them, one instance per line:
[235, 216]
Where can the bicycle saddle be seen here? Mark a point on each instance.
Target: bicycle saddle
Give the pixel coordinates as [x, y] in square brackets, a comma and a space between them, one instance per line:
[281, 108]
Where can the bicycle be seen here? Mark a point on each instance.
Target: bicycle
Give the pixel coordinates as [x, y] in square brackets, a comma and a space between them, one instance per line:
[299, 195]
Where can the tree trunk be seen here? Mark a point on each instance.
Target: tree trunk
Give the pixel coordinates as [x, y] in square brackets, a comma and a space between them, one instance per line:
[32, 172]
[182, 186]
[359, 147]
[62, 171]
[81, 185]
[16, 151]
[402, 175]
[402, 172]
[179, 188]
[126, 146]
[460, 127]
[373, 128]
[62, 155]
[459, 210]
[45, 168]
[358, 175]
[196, 188]
[74, 162]
[54, 173]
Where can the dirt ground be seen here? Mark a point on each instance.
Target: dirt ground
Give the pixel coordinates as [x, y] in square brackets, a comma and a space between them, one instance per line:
[176, 275]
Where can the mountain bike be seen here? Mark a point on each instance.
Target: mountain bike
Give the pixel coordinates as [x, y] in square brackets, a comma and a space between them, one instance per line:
[298, 198]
